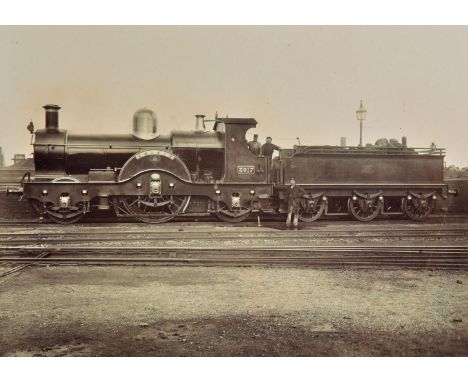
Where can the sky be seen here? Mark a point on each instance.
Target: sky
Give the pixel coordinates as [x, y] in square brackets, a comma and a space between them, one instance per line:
[296, 81]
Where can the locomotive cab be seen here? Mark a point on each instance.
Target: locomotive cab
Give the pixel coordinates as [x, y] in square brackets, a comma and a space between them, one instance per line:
[241, 164]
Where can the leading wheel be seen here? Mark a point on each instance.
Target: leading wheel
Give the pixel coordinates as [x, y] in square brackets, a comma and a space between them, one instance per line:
[69, 215]
[157, 209]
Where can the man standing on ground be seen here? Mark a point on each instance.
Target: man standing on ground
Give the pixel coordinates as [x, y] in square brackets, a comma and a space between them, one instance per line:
[293, 195]
[255, 146]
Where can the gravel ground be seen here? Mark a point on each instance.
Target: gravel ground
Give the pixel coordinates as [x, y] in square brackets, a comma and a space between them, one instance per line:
[219, 311]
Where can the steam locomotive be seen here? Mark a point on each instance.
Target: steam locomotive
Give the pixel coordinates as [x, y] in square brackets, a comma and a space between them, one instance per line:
[154, 178]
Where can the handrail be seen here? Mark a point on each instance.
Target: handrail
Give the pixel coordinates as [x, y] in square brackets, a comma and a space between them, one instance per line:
[367, 150]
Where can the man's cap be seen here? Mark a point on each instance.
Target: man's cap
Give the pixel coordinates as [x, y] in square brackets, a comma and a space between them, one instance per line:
[292, 178]
[255, 135]
[268, 138]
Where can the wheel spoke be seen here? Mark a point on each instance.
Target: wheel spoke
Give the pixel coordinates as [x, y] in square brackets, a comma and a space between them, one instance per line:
[176, 204]
[135, 201]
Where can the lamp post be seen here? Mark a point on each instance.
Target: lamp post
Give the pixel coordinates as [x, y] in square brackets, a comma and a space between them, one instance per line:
[361, 116]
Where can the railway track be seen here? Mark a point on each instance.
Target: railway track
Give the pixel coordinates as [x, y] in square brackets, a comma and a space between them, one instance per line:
[434, 257]
[105, 219]
[446, 246]
[110, 237]
[44, 239]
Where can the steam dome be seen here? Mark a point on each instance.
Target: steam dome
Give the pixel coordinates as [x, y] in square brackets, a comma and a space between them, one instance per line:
[145, 124]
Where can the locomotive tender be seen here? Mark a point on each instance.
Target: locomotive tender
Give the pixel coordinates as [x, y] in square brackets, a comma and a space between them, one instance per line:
[154, 178]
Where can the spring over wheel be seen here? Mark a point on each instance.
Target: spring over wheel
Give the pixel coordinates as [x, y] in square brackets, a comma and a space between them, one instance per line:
[418, 208]
[153, 210]
[232, 215]
[364, 208]
[66, 216]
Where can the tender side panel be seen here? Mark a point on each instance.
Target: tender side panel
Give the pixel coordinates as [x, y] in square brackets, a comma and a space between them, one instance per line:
[364, 169]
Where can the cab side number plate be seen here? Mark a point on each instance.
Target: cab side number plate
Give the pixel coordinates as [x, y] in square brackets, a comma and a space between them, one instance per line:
[245, 170]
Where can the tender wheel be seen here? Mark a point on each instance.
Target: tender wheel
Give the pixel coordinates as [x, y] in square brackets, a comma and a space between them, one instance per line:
[157, 209]
[365, 207]
[66, 216]
[418, 207]
[232, 215]
[311, 209]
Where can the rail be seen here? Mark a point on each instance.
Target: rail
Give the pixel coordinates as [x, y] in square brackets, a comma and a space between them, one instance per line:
[436, 257]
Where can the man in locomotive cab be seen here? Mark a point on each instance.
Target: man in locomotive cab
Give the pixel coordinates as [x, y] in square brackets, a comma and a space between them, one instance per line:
[294, 193]
[255, 146]
[268, 148]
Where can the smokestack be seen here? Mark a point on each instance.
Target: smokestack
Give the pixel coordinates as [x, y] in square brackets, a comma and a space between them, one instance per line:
[342, 141]
[200, 126]
[52, 123]
[403, 141]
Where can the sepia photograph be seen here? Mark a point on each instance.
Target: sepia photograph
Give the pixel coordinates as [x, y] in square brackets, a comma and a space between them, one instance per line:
[233, 191]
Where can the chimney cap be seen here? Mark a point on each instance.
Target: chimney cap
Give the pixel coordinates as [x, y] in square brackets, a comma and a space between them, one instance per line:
[51, 107]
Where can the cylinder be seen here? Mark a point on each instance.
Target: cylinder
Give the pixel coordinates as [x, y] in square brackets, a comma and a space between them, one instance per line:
[52, 122]
[342, 141]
